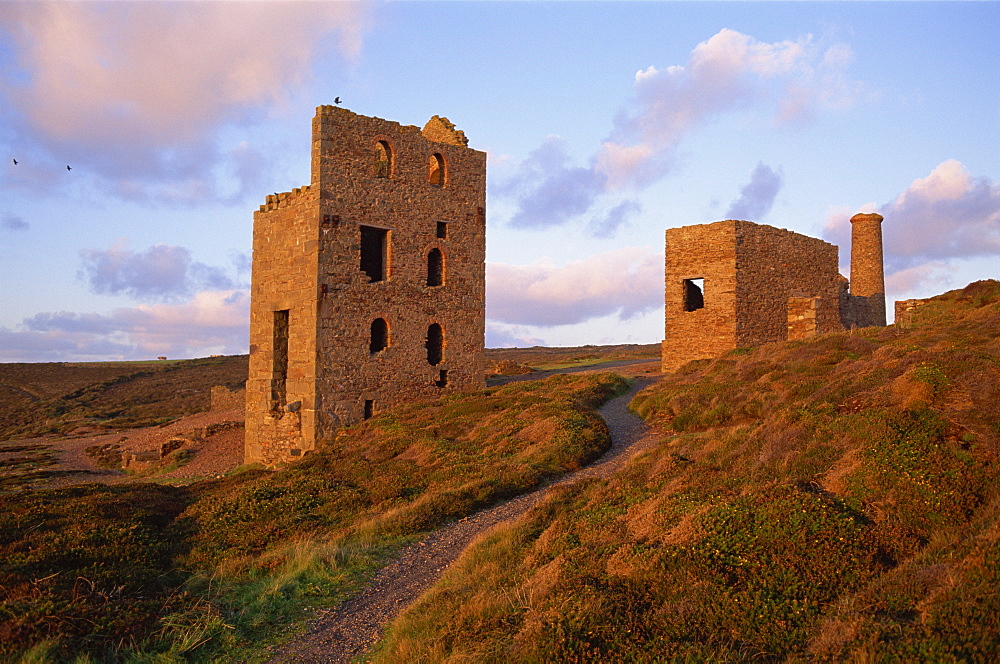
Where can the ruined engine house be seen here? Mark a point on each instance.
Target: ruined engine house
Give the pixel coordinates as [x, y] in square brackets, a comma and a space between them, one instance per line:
[368, 284]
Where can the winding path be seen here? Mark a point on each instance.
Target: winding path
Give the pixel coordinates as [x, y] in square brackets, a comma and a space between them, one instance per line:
[342, 634]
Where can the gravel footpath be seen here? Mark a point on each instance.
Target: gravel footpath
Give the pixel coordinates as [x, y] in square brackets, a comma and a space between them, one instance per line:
[339, 635]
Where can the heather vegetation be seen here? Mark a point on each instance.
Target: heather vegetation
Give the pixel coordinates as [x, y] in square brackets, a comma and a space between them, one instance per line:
[211, 571]
[60, 398]
[832, 499]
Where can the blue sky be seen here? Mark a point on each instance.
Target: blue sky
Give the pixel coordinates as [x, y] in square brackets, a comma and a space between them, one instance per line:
[605, 123]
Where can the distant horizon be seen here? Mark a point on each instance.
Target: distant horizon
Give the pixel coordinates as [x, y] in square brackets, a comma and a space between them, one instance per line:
[127, 217]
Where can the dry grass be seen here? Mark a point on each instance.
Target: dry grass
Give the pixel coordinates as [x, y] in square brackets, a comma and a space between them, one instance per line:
[208, 571]
[57, 397]
[834, 500]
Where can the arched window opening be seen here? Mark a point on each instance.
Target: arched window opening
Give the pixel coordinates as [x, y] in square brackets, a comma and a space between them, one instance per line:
[369, 408]
[383, 160]
[435, 267]
[379, 337]
[435, 344]
[435, 170]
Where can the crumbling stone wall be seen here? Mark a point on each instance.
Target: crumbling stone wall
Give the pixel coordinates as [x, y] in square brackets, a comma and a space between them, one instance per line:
[368, 285]
[758, 284]
[773, 266]
[905, 309]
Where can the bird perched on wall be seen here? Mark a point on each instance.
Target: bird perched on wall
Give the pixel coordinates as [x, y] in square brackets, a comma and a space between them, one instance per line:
[15, 162]
[337, 101]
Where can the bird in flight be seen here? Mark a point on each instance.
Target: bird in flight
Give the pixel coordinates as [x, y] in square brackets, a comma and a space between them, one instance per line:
[68, 168]
[337, 100]
[15, 162]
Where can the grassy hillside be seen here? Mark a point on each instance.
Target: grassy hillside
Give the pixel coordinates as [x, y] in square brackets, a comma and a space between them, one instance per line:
[58, 397]
[210, 571]
[833, 499]
[541, 357]
[67, 397]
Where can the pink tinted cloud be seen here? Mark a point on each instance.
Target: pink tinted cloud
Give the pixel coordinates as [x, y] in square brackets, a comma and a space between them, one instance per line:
[931, 273]
[142, 88]
[211, 322]
[727, 73]
[625, 282]
[949, 214]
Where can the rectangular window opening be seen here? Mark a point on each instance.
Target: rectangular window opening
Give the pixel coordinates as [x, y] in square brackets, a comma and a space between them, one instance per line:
[442, 380]
[694, 294]
[279, 360]
[442, 230]
[369, 408]
[374, 253]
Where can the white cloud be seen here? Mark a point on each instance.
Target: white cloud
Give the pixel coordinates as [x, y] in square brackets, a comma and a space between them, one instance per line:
[161, 272]
[727, 73]
[947, 215]
[625, 282]
[137, 91]
[936, 224]
[918, 277]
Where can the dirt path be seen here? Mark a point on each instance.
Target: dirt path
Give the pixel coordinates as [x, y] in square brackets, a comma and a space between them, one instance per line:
[344, 633]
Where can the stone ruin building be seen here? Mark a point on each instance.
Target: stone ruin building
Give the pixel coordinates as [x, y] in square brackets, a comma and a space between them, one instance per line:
[734, 284]
[368, 284]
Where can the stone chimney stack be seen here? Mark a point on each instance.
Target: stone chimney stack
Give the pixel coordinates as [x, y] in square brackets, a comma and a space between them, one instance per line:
[867, 274]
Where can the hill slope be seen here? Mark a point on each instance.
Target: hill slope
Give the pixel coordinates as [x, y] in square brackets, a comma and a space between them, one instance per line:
[59, 397]
[206, 572]
[833, 499]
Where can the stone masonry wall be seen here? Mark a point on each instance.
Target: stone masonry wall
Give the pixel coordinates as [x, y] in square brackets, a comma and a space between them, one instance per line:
[867, 273]
[421, 194]
[773, 265]
[707, 252]
[904, 310]
[761, 284]
[420, 216]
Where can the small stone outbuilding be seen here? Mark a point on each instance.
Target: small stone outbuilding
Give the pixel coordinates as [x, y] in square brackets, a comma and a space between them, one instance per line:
[733, 284]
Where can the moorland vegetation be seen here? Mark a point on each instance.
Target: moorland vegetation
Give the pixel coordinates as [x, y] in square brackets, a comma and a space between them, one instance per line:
[213, 570]
[832, 499]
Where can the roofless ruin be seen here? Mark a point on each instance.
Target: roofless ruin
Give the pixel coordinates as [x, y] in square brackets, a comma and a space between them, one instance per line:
[368, 284]
[734, 284]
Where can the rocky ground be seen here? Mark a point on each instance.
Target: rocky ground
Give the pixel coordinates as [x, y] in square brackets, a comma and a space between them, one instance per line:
[206, 454]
